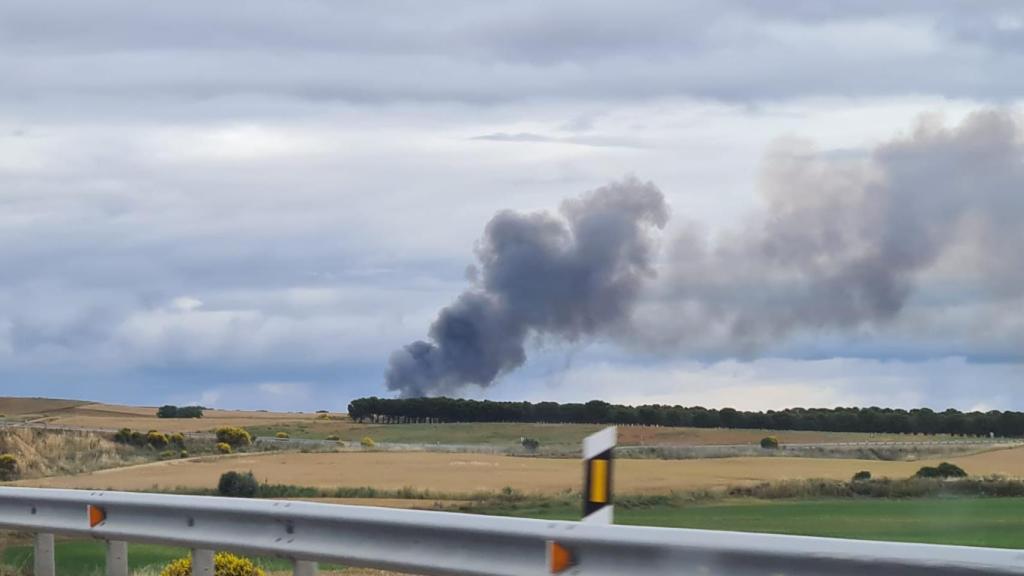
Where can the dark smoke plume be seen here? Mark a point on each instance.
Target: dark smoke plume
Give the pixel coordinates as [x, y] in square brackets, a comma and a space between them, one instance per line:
[567, 276]
[839, 248]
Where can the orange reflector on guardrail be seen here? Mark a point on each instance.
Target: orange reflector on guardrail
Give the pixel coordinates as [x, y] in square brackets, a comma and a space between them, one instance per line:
[96, 515]
[560, 558]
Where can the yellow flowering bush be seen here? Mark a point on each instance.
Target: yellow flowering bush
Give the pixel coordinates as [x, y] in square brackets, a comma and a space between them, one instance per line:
[224, 564]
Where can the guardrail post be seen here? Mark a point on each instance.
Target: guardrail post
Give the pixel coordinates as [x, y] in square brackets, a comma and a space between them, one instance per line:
[42, 552]
[202, 562]
[305, 568]
[117, 558]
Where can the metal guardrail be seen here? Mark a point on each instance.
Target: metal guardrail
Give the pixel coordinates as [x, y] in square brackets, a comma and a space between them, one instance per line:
[446, 543]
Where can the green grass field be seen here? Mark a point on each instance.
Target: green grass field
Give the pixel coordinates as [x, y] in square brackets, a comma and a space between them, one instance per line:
[82, 557]
[496, 434]
[88, 558]
[991, 522]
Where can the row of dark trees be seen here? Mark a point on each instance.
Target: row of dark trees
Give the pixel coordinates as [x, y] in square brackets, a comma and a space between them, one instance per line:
[873, 419]
[171, 411]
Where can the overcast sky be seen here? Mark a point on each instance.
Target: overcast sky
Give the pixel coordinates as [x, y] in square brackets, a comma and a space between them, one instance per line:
[252, 204]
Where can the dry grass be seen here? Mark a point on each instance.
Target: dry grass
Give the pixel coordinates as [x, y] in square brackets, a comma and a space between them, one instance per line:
[467, 473]
[21, 407]
[46, 453]
[112, 417]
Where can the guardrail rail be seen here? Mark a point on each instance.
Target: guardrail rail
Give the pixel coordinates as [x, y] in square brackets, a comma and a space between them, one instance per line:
[448, 543]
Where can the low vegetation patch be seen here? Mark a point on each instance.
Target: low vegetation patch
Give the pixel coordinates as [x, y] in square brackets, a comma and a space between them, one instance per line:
[770, 443]
[234, 436]
[9, 469]
[943, 470]
[224, 564]
[238, 485]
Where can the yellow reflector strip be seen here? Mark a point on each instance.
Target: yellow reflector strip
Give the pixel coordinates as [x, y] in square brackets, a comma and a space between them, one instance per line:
[559, 557]
[96, 515]
[599, 481]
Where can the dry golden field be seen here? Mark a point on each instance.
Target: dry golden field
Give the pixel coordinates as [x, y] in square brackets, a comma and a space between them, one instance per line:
[463, 473]
[34, 406]
[112, 417]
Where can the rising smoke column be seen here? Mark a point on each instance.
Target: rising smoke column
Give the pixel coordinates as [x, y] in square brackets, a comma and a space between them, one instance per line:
[569, 276]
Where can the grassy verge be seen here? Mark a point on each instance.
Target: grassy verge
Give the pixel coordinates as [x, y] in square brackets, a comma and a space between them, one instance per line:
[88, 558]
[991, 522]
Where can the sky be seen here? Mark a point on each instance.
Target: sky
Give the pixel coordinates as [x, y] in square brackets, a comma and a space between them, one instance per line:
[255, 204]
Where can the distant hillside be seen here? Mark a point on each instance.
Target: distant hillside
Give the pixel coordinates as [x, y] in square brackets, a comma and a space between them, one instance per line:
[21, 407]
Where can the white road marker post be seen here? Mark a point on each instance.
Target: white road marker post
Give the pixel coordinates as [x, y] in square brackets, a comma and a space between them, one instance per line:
[597, 476]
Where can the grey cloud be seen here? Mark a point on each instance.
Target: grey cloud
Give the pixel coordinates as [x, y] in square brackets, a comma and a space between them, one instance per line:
[122, 58]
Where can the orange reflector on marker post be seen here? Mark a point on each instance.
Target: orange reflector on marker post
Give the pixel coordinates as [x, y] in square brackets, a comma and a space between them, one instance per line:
[96, 515]
[560, 558]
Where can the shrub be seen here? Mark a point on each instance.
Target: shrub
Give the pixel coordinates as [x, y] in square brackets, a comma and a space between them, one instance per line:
[190, 412]
[323, 416]
[333, 437]
[237, 485]
[530, 444]
[9, 469]
[944, 470]
[224, 564]
[947, 470]
[234, 436]
[769, 442]
[177, 439]
[123, 436]
[367, 442]
[184, 453]
[168, 454]
[223, 447]
[137, 439]
[282, 435]
[862, 476]
[156, 439]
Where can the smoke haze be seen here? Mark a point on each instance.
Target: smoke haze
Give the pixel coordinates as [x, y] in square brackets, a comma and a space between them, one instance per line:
[841, 244]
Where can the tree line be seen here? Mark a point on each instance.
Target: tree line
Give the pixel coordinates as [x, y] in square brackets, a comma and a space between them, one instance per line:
[872, 419]
[171, 411]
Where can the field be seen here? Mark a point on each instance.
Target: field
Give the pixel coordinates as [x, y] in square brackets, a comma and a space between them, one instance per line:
[509, 434]
[462, 473]
[472, 472]
[992, 522]
[96, 416]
